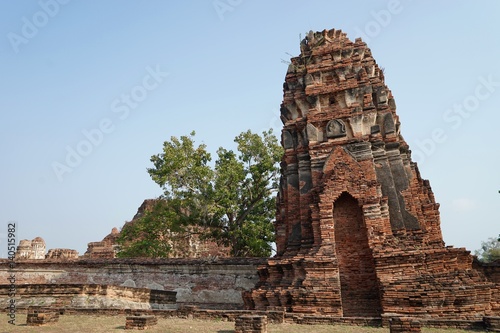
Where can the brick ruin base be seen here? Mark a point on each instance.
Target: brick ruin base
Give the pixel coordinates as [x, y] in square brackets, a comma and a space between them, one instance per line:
[357, 228]
[39, 316]
[404, 325]
[492, 324]
[251, 324]
[140, 322]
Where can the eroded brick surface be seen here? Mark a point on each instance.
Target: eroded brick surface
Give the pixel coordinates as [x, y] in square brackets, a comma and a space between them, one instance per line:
[211, 284]
[62, 254]
[140, 322]
[251, 324]
[404, 325]
[358, 229]
[34, 249]
[40, 316]
[492, 324]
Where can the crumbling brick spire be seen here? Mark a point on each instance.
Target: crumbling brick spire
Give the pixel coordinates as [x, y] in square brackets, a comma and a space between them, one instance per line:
[351, 201]
[336, 103]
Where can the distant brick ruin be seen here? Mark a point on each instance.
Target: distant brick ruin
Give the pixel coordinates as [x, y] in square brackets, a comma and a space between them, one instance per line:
[358, 230]
[62, 254]
[107, 248]
[187, 245]
[31, 249]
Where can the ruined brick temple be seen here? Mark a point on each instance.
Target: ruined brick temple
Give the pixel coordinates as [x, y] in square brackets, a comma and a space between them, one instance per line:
[184, 245]
[358, 229]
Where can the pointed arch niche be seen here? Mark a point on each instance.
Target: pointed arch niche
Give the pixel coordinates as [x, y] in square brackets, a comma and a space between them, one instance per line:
[358, 281]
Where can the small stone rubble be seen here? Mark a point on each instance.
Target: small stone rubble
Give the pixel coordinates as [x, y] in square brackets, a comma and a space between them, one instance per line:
[39, 316]
[140, 322]
[404, 325]
[251, 324]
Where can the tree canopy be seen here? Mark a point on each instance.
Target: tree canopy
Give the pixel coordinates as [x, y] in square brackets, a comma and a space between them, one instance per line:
[154, 234]
[233, 199]
[490, 250]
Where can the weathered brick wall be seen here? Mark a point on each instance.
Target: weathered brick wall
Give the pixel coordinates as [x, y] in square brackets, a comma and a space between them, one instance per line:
[209, 284]
[433, 282]
[491, 270]
[89, 296]
[495, 304]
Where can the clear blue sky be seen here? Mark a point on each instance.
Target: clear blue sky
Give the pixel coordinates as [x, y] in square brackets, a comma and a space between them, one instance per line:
[67, 67]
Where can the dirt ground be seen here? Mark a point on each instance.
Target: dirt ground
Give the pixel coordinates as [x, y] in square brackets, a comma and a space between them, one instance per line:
[101, 324]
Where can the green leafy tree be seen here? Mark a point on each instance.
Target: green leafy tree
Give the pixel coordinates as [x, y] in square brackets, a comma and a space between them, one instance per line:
[234, 200]
[490, 250]
[244, 204]
[147, 235]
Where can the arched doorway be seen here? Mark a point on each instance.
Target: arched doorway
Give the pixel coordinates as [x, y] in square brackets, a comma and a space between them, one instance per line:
[358, 282]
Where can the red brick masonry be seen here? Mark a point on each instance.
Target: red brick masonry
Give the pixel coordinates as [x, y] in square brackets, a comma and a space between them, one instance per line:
[404, 325]
[140, 322]
[358, 229]
[251, 324]
[40, 316]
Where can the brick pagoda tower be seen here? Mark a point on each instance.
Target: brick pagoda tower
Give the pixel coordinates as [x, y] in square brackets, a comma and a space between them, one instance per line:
[358, 230]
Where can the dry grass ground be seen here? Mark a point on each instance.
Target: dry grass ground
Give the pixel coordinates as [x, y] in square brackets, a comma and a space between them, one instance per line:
[100, 324]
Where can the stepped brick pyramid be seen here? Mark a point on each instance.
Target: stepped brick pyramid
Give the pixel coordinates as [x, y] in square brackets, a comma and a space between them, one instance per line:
[358, 229]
